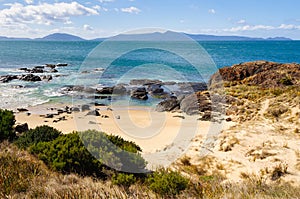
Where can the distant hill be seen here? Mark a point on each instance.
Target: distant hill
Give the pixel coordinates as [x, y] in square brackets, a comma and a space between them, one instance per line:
[149, 36]
[13, 38]
[60, 37]
[202, 37]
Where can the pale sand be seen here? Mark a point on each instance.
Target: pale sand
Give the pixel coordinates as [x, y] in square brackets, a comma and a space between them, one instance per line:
[162, 137]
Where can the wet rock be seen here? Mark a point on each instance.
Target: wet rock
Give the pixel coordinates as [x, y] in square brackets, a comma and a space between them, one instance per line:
[139, 93]
[53, 71]
[52, 66]
[61, 64]
[30, 78]
[49, 116]
[8, 78]
[105, 91]
[99, 104]
[168, 105]
[22, 109]
[94, 113]
[47, 77]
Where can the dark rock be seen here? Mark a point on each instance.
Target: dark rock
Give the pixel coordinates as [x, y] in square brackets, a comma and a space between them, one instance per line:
[119, 90]
[206, 116]
[22, 109]
[139, 93]
[61, 64]
[52, 66]
[85, 107]
[49, 116]
[36, 70]
[47, 77]
[30, 78]
[179, 116]
[28, 114]
[94, 113]
[228, 119]
[259, 73]
[60, 111]
[144, 82]
[195, 103]
[22, 128]
[75, 109]
[118, 117]
[99, 104]
[105, 116]
[53, 71]
[167, 105]
[8, 78]
[105, 91]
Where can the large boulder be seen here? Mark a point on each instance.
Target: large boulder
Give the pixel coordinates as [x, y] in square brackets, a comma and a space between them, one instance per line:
[119, 90]
[139, 93]
[94, 113]
[195, 103]
[168, 105]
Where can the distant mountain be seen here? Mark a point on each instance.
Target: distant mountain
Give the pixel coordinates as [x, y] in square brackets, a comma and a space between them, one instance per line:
[60, 37]
[202, 37]
[13, 38]
[148, 36]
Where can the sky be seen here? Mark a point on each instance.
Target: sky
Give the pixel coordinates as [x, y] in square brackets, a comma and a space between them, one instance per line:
[102, 18]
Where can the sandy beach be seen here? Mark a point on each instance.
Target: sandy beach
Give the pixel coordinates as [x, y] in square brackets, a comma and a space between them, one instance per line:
[163, 136]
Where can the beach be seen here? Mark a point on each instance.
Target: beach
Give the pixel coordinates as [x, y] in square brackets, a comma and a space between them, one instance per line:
[153, 131]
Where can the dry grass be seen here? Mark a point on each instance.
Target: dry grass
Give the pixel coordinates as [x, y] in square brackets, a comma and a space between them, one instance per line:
[35, 180]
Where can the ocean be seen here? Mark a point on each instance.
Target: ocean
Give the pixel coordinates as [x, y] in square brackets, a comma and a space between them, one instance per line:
[84, 68]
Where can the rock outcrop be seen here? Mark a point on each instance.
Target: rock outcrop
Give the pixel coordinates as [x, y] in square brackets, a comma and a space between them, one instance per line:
[261, 73]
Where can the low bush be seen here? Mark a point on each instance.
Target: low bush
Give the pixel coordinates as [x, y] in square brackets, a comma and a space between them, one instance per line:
[7, 121]
[167, 183]
[39, 134]
[123, 179]
[68, 154]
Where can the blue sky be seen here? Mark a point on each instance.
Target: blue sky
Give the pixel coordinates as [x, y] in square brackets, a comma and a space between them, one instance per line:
[101, 18]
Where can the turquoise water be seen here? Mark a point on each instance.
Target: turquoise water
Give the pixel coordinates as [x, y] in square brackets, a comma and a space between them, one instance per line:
[139, 63]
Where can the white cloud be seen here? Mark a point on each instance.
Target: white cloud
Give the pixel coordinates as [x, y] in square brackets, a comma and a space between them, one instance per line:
[212, 11]
[131, 10]
[87, 27]
[262, 27]
[29, 1]
[242, 21]
[106, 1]
[43, 13]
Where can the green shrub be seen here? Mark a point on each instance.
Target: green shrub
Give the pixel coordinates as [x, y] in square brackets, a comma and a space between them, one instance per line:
[167, 183]
[122, 179]
[87, 153]
[39, 134]
[113, 151]
[7, 121]
[67, 154]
